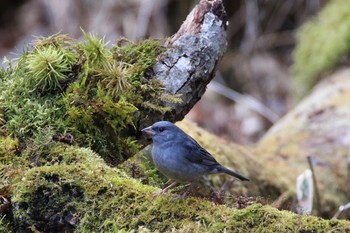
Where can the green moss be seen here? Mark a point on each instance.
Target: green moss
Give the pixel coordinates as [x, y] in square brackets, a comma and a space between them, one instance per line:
[48, 65]
[95, 50]
[48, 68]
[103, 200]
[322, 43]
[72, 188]
[114, 78]
[98, 120]
[5, 225]
[141, 167]
[8, 148]
[140, 56]
[102, 105]
[30, 100]
[83, 94]
[84, 89]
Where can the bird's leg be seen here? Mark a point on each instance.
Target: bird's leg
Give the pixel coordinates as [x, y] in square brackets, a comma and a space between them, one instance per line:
[169, 187]
[166, 189]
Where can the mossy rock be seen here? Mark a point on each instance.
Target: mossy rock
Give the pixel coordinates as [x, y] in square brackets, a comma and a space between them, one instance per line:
[316, 128]
[323, 44]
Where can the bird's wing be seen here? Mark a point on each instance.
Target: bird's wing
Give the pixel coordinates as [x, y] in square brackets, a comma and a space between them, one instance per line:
[198, 154]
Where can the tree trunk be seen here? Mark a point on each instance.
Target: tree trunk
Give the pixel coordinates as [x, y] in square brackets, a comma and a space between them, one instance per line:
[190, 61]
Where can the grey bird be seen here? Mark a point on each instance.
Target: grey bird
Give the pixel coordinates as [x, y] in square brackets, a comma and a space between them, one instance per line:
[179, 157]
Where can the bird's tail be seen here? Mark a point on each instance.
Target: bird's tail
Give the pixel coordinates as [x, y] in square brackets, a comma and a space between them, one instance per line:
[232, 173]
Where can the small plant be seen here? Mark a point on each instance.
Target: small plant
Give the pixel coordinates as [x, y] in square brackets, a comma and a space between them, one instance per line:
[95, 49]
[48, 68]
[114, 78]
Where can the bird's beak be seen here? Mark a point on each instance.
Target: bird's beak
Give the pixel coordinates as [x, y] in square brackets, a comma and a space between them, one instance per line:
[149, 131]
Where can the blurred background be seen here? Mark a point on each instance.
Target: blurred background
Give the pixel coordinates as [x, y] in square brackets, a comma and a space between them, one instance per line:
[252, 88]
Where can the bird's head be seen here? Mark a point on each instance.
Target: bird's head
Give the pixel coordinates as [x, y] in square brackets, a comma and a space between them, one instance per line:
[162, 131]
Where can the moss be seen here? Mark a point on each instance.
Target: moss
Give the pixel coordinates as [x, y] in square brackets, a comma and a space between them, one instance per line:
[140, 56]
[72, 192]
[48, 67]
[57, 98]
[322, 43]
[8, 151]
[95, 50]
[95, 197]
[141, 167]
[68, 188]
[46, 195]
[85, 89]
[97, 120]
[102, 105]
[30, 100]
[5, 225]
[8, 148]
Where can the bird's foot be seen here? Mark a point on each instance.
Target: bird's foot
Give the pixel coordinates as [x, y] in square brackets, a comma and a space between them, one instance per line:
[165, 190]
[162, 192]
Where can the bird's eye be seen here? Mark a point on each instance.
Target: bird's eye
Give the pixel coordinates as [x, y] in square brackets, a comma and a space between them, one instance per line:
[161, 129]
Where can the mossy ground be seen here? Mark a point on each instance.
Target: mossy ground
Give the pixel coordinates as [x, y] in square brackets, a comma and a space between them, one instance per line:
[96, 197]
[81, 192]
[324, 43]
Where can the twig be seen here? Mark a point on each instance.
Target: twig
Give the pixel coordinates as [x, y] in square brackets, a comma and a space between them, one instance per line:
[318, 200]
[341, 209]
[245, 100]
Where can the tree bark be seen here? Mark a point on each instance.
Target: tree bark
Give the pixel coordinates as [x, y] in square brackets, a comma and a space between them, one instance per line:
[190, 61]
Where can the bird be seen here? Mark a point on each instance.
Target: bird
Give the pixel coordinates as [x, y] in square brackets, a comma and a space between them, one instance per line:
[180, 157]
